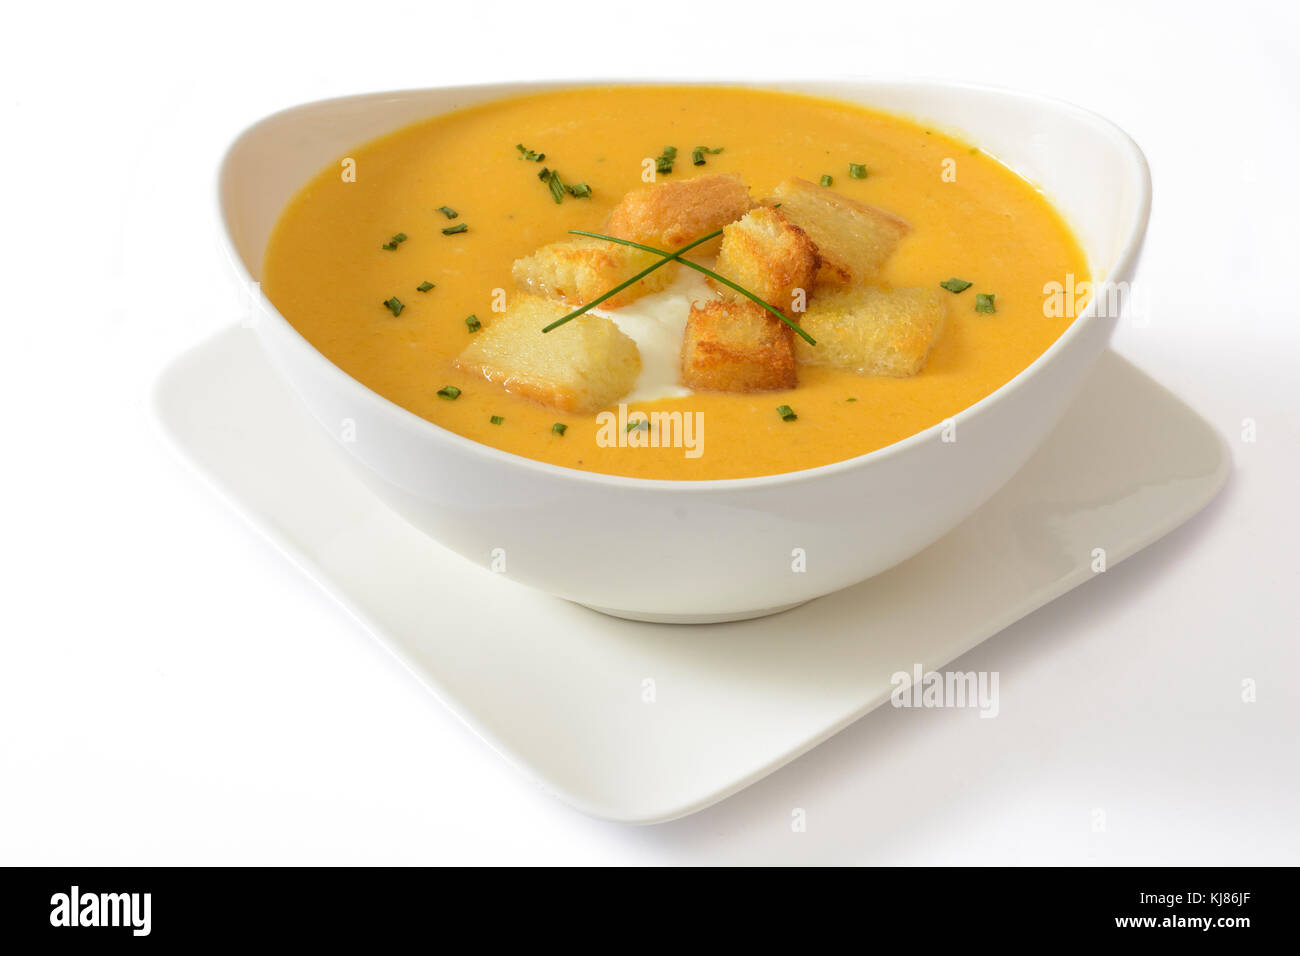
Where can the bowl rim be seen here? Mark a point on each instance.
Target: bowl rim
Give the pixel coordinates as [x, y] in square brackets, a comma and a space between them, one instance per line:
[263, 308]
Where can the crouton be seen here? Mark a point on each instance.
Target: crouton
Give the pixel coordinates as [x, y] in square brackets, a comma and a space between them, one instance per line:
[736, 347]
[584, 365]
[770, 256]
[578, 270]
[872, 331]
[854, 239]
[670, 214]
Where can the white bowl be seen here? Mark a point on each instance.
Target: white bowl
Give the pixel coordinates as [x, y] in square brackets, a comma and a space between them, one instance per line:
[707, 550]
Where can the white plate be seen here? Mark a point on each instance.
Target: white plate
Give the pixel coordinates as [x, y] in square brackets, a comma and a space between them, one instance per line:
[559, 689]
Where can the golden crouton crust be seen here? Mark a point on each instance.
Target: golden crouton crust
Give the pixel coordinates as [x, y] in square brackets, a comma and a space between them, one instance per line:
[768, 255]
[672, 213]
[736, 347]
[872, 331]
[584, 365]
[578, 270]
[854, 239]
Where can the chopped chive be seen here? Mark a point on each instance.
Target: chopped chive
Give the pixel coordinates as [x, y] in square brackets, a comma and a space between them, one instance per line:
[394, 242]
[448, 212]
[528, 154]
[955, 285]
[449, 392]
[456, 229]
[857, 171]
[699, 152]
[555, 184]
[664, 161]
[394, 305]
[424, 286]
[559, 428]
[557, 187]
[641, 424]
[850, 399]
[472, 323]
[496, 419]
[984, 302]
[827, 180]
[786, 412]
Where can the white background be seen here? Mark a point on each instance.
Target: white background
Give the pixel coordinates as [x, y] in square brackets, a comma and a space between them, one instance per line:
[173, 691]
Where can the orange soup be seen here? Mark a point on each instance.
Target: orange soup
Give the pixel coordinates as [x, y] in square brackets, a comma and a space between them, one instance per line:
[368, 263]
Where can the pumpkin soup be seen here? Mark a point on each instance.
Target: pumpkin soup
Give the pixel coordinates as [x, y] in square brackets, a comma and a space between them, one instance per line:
[732, 282]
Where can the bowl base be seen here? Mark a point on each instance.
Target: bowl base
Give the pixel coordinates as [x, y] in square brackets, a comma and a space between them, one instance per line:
[722, 618]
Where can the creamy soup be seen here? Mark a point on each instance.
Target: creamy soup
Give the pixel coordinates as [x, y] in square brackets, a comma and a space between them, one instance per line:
[369, 265]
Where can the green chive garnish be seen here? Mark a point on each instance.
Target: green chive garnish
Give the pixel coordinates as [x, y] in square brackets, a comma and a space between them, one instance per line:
[850, 399]
[424, 287]
[672, 257]
[554, 183]
[394, 305]
[557, 187]
[984, 302]
[627, 282]
[699, 152]
[496, 419]
[472, 323]
[664, 161]
[394, 242]
[642, 424]
[448, 212]
[955, 285]
[454, 230]
[827, 180]
[528, 154]
[559, 428]
[857, 171]
[786, 412]
[449, 392]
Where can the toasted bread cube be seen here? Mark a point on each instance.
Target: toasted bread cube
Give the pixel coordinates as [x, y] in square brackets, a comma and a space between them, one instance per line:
[584, 365]
[770, 256]
[736, 347]
[670, 214]
[872, 331]
[854, 239]
[578, 270]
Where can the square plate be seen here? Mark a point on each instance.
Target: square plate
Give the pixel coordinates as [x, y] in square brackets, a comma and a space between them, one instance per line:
[642, 722]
